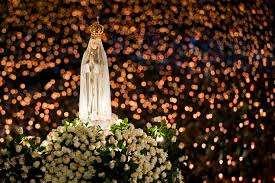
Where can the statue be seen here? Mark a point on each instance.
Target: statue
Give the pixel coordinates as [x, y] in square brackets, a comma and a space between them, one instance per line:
[95, 96]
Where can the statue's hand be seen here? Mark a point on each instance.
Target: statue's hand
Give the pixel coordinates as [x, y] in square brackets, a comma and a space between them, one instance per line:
[91, 67]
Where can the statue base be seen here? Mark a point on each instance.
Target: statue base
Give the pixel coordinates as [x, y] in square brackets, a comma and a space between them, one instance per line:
[104, 124]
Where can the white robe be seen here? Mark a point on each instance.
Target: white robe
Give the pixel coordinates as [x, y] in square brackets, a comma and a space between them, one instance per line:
[95, 96]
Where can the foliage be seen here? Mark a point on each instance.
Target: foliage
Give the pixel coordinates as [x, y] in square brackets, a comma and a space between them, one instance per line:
[19, 159]
[120, 126]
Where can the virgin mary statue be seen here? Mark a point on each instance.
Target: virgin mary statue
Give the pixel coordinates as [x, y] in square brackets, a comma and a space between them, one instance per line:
[95, 97]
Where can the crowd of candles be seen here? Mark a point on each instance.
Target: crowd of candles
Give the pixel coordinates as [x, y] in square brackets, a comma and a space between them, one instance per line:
[204, 65]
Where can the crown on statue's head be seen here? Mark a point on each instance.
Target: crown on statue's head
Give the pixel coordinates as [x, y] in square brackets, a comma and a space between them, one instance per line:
[96, 29]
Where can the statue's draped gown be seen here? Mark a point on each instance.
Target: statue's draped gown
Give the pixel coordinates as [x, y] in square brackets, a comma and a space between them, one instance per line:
[95, 97]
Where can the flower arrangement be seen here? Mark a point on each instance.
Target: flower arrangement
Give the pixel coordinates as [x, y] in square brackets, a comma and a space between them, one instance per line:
[76, 152]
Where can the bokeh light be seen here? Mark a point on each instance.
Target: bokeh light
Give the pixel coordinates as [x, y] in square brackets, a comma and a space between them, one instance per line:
[203, 65]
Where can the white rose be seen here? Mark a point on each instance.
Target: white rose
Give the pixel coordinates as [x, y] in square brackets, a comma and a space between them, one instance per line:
[102, 174]
[20, 130]
[70, 174]
[98, 145]
[112, 164]
[174, 139]
[163, 174]
[36, 164]
[59, 160]
[113, 154]
[70, 129]
[126, 167]
[49, 147]
[111, 140]
[58, 153]
[61, 129]
[78, 175]
[66, 159]
[25, 168]
[87, 175]
[134, 175]
[76, 144]
[140, 175]
[156, 176]
[168, 165]
[81, 169]
[18, 148]
[123, 158]
[91, 147]
[148, 125]
[62, 179]
[49, 158]
[83, 147]
[57, 146]
[98, 159]
[73, 166]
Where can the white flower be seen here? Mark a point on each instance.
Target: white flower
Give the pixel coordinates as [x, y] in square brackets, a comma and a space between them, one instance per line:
[83, 147]
[87, 175]
[123, 158]
[58, 153]
[112, 164]
[159, 139]
[168, 165]
[98, 159]
[12, 179]
[36, 164]
[73, 166]
[113, 154]
[81, 169]
[126, 167]
[101, 174]
[76, 144]
[112, 140]
[163, 174]
[134, 175]
[20, 130]
[61, 129]
[119, 121]
[78, 151]
[70, 129]
[156, 176]
[57, 146]
[18, 148]
[148, 125]
[174, 139]
[78, 175]
[91, 147]
[66, 159]
[49, 158]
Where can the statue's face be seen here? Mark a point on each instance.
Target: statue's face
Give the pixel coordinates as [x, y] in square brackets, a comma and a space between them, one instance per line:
[94, 44]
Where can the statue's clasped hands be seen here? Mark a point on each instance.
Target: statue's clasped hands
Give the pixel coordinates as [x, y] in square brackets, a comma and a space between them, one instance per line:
[94, 68]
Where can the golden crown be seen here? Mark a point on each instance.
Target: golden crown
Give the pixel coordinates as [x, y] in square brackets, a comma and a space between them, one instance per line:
[96, 29]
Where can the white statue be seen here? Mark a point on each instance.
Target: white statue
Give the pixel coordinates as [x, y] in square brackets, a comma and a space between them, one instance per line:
[95, 97]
